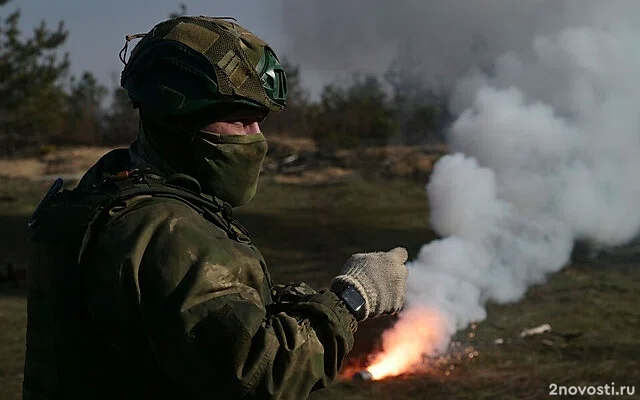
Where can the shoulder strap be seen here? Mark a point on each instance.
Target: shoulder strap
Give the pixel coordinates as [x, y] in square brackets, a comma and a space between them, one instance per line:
[179, 187]
[130, 184]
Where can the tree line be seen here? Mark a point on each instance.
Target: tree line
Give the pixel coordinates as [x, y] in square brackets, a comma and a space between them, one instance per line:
[43, 105]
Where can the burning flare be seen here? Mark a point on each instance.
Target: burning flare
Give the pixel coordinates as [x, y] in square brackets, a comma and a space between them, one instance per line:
[418, 333]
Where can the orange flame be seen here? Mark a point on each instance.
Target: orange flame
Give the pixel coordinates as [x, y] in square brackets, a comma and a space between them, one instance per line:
[416, 334]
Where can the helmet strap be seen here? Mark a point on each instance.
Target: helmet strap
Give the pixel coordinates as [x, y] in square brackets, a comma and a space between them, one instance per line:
[123, 53]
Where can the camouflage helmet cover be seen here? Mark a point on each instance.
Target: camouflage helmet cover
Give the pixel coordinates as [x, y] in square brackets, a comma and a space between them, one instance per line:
[186, 64]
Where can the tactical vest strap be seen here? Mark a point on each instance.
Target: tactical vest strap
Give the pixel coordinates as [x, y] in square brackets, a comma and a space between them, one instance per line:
[127, 185]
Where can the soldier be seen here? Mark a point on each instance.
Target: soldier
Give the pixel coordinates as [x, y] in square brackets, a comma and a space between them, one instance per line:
[142, 285]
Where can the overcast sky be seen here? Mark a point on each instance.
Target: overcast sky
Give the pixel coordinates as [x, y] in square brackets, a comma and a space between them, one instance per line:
[97, 28]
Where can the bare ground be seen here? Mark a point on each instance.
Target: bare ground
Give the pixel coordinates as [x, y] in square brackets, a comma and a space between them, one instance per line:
[293, 160]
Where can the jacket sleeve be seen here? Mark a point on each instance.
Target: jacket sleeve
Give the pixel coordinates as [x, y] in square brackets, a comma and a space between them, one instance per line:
[200, 297]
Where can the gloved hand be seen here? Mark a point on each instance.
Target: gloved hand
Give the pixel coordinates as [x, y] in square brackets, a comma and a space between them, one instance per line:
[380, 278]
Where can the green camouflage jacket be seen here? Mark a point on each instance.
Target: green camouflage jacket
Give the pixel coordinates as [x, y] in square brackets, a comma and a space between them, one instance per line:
[170, 306]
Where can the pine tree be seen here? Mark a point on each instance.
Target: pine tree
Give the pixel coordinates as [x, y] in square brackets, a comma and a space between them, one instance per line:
[84, 114]
[31, 93]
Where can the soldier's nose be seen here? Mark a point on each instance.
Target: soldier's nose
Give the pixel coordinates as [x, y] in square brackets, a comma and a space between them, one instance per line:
[253, 127]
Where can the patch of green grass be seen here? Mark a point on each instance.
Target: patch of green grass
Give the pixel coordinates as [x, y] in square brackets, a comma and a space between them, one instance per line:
[13, 320]
[309, 232]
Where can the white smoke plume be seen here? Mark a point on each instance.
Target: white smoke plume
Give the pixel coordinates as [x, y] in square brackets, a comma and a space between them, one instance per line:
[546, 148]
[332, 38]
[547, 151]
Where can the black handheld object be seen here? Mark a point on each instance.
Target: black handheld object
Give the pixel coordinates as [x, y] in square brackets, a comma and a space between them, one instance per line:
[351, 298]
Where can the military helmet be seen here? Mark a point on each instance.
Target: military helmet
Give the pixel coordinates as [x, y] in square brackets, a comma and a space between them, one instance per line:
[188, 64]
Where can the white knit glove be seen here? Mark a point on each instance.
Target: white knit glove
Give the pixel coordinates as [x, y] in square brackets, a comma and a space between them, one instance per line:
[380, 278]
